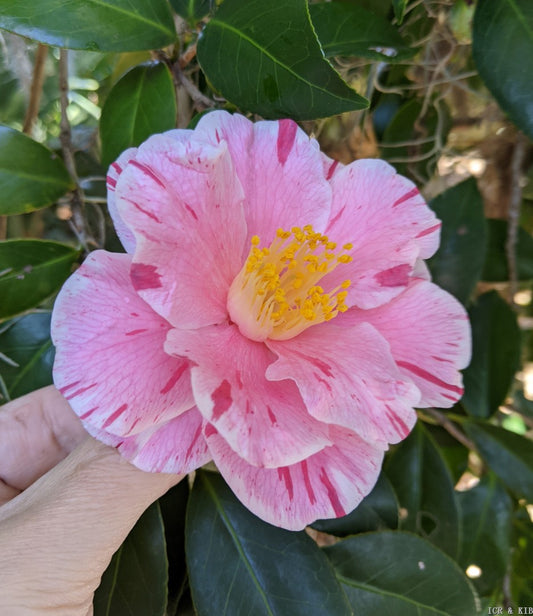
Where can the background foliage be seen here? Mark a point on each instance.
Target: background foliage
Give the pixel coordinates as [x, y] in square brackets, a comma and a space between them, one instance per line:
[439, 88]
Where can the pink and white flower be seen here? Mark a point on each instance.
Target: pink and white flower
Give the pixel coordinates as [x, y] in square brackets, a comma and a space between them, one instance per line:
[272, 313]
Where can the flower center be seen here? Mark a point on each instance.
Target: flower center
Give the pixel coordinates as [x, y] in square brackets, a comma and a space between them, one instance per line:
[276, 294]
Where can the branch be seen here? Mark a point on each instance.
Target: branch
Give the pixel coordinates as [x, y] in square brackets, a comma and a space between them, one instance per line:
[513, 216]
[36, 89]
[450, 427]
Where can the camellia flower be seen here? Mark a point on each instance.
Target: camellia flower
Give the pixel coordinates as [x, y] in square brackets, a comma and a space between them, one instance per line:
[272, 313]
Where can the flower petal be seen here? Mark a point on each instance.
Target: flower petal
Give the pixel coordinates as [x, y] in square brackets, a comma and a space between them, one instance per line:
[110, 363]
[183, 202]
[177, 446]
[280, 169]
[328, 484]
[124, 233]
[347, 376]
[266, 423]
[429, 336]
[386, 219]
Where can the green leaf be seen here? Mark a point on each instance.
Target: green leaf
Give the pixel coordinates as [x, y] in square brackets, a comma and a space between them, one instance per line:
[135, 582]
[417, 160]
[496, 267]
[522, 568]
[377, 511]
[26, 342]
[192, 10]
[240, 565]
[399, 9]
[277, 66]
[486, 512]
[509, 455]
[502, 43]
[31, 176]
[424, 486]
[141, 104]
[495, 355]
[30, 271]
[400, 574]
[459, 261]
[349, 30]
[93, 25]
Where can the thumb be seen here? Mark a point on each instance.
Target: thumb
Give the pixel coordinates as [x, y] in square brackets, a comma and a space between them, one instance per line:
[58, 535]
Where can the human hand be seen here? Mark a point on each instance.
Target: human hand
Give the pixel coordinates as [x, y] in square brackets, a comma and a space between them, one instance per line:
[68, 502]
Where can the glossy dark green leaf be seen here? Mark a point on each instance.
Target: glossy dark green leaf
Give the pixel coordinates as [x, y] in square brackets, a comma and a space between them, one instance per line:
[141, 104]
[25, 341]
[509, 455]
[496, 268]
[502, 41]
[417, 160]
[240, 565]
[399, 9]
[135, 582]
[486, 513]
[378, 511]
[495, 355]
[277, 66]
[30, 271]
[459, 261]
[424, 486]
[31, 176]
[193, 10]
[93, 25]
[522, 568]
[400, 574]
[350, 30]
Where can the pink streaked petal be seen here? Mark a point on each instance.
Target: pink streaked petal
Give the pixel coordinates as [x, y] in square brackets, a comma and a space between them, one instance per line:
[280, 169]
[183, 202]
[328, 484]
[265, 423]
[178, 446]
[110, 363]
[386, 219]
[347, 376]
[124, 233]
[429, 335]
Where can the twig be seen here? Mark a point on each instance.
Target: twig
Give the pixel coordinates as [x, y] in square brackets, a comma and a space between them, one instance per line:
[77, 223]
[36, 89]
[513, 216]
[450, 427]
[200, 101]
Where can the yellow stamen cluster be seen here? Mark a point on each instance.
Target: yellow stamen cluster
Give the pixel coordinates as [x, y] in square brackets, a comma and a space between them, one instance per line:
[276, 295]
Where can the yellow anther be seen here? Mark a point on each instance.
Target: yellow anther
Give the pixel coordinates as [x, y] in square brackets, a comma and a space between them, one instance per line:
[330, 245]
[348, 246]
[346, 284]
[255, 240]
[344, 259]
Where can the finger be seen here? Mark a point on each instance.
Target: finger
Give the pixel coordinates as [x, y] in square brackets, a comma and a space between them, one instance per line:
[58, 536]
[36, 432]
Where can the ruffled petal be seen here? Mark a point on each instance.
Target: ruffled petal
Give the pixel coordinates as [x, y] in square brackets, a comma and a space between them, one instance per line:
[386, 219]
[178, 446]
[265, 423]
[328, 484]
[183, 203]
[347, 376]
[125, 235]
[280, 169]
[110, 363]
[429, 336]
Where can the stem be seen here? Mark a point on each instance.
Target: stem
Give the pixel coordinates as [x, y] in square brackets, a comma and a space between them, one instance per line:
[36, 89]
[513, 215]
[450, 427]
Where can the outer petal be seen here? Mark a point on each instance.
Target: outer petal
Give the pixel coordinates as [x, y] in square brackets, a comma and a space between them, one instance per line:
[328, 484]
[110, 363]
[177, 446]
[347, 376]
[280, 169]
[124, 233]
[386, 219]
[184, 204]
[429, 335]
[266, 423]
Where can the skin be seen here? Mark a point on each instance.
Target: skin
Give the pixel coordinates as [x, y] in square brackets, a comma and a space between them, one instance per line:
[67, 504]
